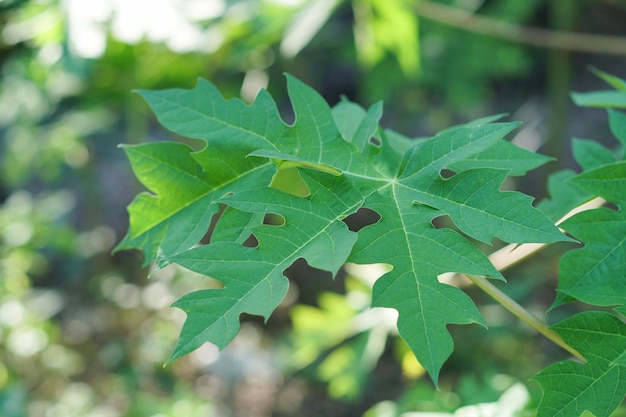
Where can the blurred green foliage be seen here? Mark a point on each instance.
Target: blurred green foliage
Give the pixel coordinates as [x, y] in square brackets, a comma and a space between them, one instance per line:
[84, 333]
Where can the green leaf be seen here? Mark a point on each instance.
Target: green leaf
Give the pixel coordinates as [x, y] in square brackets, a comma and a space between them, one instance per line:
[499, 156]
[356, 125]
[605, 99]
[599, 386]
[595, 273]
[509, 217]
[590, 154]
[564, 195]
[388, 26]
[347, 168]
[615, 82]
[607, 181]
[418, 252]
[253, 277]
[179, 214]
[405, 238]
[187, 182]
[235, 226]
[617, 123]
[314, 140]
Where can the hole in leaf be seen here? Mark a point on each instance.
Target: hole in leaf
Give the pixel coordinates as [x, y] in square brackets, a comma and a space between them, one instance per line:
[362, 218]
[375, 141]
[207, 236]
[447, 173]
[272, 219]
[251, 242]
[311, 282]
[443, 222]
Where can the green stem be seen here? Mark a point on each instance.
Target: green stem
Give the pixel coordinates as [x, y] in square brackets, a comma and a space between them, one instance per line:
[523, 314]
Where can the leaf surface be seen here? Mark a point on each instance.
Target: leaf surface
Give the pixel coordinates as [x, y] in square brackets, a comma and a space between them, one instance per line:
[607, 181]
[187, 182]
[179, 213]
[595, 273]
[604, 99]
[346, 162]
[500, 156]
[312, 230]
[599, 386]
[564, 195]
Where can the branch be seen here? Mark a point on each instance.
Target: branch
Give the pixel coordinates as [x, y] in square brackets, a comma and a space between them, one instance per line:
[544, 38]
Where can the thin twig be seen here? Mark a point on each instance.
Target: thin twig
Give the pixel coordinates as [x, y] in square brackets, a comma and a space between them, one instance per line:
[544, 38]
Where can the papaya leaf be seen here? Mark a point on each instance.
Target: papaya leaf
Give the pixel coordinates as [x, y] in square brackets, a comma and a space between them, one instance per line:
[356, 125]
[346, 162]
[405, 238]
[253, 277]
[499, 156]
[617, 124]
[607, 181]
[235, 226]
[594, 274]
[590, 154]
[614, 81]
[571, 388]
[418, 252]
[604, 99]
[564, 195]
[178, 216]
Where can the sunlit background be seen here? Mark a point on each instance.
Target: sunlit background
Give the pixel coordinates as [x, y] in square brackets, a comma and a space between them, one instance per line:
[84, 332]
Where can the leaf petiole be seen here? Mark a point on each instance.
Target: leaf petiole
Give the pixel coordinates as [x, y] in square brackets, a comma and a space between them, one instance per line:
[523, 314]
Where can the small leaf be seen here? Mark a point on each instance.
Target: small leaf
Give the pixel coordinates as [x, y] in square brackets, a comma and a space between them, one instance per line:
[590, 154]
[607, 181]
[429, 157]
[595, 273]
[617, 123]
[355, 124]
[604, 99]
[598, 386]
[615, 82]
[564, 195]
